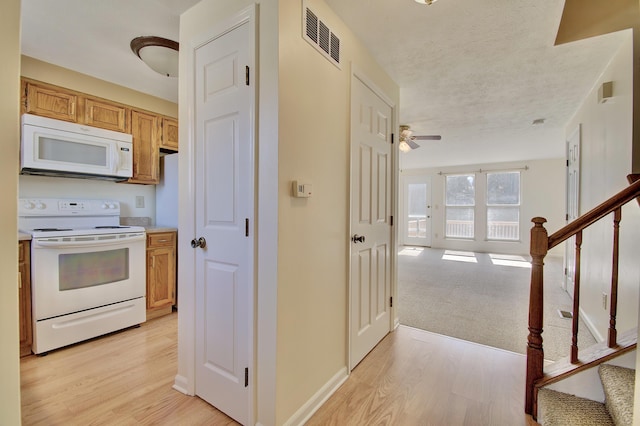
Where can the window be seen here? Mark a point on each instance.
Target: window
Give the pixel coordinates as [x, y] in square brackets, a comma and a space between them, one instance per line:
[503, 206]
[460, 204]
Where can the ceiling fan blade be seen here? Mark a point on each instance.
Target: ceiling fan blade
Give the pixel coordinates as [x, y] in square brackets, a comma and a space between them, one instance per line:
[427, 138]
[412, 144]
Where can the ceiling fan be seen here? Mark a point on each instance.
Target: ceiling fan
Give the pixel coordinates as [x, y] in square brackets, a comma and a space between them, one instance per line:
[407, 140]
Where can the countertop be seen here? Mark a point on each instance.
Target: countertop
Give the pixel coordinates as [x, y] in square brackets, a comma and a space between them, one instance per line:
[23, 236]
[154, 229]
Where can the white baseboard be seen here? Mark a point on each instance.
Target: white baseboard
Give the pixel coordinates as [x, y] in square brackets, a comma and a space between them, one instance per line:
[594, 332]
[181, 384]
[305, 412]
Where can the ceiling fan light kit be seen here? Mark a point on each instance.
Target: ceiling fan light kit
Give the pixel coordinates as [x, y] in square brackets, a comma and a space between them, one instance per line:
[427, 2]
[407, 140]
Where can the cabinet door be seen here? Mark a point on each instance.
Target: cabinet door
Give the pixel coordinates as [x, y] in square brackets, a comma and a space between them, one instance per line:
[145, 130]
[169, 134]
[160, 277]
[99, 113]
[24, 298]
[50, 102]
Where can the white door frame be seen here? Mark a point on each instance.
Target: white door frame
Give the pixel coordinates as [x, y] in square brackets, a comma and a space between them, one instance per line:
[393, 320]
[185, 378]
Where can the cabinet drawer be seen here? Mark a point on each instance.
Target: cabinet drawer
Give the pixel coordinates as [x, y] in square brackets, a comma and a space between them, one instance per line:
[161, 239]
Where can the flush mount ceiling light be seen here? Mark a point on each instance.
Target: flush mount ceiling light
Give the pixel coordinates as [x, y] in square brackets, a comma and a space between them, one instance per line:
[427, 2]
[160, 54]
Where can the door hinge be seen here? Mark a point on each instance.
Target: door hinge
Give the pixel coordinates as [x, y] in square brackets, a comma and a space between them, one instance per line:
[567, 163]
[392, 138]
[246, 227]
[247, 75]
[246, 377]
[391, 302]
[565, 271]
[391, 220]
[566, 217]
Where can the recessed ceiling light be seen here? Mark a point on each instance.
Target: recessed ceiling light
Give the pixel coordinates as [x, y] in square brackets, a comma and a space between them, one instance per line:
[538, 121]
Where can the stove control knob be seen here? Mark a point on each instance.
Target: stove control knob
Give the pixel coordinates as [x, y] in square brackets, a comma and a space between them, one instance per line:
[105, 206]
[28, 205]
[112, 206]
[40, 205]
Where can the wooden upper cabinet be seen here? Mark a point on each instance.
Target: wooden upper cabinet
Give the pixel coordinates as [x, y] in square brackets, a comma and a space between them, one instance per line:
[50, 102]
[106, 115]
[145, 129]
[169, 134]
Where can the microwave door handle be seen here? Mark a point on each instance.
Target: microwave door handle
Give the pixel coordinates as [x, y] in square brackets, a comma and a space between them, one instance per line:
[93, 243]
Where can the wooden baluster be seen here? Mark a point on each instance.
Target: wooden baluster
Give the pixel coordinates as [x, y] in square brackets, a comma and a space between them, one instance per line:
[535, 353]
[576, 300]
[613, 334]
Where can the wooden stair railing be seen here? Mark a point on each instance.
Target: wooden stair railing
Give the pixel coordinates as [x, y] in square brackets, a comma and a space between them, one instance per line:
[541, 243]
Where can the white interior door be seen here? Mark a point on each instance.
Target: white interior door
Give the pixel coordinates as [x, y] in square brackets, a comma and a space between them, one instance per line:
[224, 187]
[371, 168]
[416, 211]
[573, 206]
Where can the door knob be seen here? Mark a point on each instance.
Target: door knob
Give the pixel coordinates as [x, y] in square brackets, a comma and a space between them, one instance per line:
[200, 242]
[357, 238]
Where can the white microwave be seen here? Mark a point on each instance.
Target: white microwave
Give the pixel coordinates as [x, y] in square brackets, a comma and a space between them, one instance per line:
[58, 148]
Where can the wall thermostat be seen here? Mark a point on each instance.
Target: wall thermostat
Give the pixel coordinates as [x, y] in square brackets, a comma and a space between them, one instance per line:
[300, 190]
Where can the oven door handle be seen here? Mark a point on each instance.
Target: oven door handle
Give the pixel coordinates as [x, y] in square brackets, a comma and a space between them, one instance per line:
[92, 243]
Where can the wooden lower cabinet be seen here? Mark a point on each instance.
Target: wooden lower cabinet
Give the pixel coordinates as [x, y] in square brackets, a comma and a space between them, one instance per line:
[161, 273]
[24, 297]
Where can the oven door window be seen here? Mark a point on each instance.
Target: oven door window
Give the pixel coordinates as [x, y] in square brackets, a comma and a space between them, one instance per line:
[80, 270]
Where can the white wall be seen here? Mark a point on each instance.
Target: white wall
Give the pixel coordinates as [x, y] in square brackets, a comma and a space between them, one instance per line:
[56, 187]
[606, 159]
[542, 194]
[9, 160]
[313, 234]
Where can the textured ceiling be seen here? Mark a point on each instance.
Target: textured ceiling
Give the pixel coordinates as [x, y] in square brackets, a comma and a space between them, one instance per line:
[476, 72]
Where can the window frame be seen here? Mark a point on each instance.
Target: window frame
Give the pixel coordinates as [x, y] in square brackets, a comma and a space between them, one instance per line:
[517, 207]
[471, 207]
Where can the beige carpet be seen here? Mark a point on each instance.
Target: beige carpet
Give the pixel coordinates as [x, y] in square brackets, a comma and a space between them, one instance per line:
[476, 298]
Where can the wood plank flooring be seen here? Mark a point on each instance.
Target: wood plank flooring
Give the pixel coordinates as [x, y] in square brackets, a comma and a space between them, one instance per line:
[412, 377]
[122, 379]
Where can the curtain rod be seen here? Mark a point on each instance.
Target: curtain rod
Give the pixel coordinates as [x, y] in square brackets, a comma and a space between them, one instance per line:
[525, 168]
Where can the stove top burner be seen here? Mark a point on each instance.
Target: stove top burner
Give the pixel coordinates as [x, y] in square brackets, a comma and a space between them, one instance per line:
[51, 229]
[111, 227]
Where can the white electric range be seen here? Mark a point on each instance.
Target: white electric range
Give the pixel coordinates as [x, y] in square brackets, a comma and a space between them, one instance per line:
[88, 273]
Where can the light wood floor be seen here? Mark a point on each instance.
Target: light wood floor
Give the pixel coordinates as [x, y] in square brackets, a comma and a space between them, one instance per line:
[412, 377]
[121, 379]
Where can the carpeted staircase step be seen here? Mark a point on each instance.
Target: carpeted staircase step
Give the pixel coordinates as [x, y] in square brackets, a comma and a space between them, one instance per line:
[618, 384]
[561, 409]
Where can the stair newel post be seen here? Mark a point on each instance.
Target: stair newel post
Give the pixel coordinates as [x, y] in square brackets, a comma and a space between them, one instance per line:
[535, 353]
[613, 311]
[576, 300]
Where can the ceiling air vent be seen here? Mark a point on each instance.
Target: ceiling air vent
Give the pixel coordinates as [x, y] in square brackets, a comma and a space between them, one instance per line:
[320, 35]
